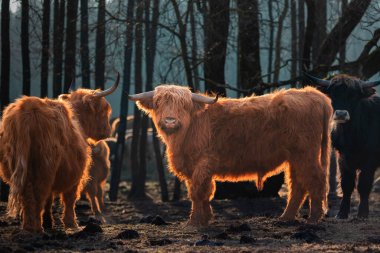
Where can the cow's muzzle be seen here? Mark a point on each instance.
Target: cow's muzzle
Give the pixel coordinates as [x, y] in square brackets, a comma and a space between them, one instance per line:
[169, 125]
[341, 116]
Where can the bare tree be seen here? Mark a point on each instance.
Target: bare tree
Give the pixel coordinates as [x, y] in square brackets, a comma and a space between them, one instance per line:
[320, 28]
[100, 49]
[137, 190]
[85, 58]
[301, 34]
[342, 50]
[5, 73]
[45, 48]
[271, 39]
[71, 38]
[277, 58]
[249, 67]
[58, 36]
[293, 24]
[337, 37]
[119, 150]
[194, 45]
[216, 23]
[25, 47]
[308, 38]
[5, 55]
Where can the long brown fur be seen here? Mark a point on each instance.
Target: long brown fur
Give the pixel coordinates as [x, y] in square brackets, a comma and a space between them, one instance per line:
[43, 153]
[247, 139]
[98, 173]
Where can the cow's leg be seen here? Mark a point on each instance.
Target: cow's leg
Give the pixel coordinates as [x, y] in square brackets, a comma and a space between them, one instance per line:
[100, 196]
[296, 195]
[201, 190]
[48, 221]
[92, 191]
[347, 182]
[69, 199]
[316, 182]
[365, 183]
[30, 214]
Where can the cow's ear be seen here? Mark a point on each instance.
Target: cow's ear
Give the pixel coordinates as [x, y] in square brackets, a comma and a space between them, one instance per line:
[64, 97]
[145, 105]
[369, 91]
[198, 107]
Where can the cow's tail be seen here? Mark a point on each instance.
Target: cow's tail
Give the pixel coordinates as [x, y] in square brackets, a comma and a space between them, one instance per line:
[18, 180]
[325, 152]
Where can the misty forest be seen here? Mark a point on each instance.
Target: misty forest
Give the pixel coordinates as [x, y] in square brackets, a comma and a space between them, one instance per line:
[224, 48]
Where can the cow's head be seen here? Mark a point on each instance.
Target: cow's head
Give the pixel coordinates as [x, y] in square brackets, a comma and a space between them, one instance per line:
[171, 107]
[92, 110]
[345, 92]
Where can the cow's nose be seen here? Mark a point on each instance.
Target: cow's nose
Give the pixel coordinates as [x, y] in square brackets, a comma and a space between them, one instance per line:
[341, 113]
[170, 120]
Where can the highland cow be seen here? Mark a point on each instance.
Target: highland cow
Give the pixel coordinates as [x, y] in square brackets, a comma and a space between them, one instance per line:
[251, 138]
[99, 170]
[355, 136]
[43, 152]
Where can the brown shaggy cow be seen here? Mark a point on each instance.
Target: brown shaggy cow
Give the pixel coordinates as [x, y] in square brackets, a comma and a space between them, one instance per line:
[245, 139]
[100, 167]
[43, 152]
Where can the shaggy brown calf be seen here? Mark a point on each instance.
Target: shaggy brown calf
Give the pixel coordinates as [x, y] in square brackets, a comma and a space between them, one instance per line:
[100, 167]
[245, 139]
[43, 152]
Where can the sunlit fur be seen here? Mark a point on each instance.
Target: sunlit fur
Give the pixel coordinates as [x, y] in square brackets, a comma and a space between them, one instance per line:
[43, 152]
[98, 173]
[247, 139]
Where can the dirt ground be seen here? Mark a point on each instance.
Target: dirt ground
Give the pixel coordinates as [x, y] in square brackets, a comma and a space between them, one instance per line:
[243, 225]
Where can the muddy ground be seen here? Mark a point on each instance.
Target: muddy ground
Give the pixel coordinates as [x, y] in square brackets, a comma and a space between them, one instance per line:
[243, 225]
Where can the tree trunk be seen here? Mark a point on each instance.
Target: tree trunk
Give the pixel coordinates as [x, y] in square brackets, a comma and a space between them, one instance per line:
[308, 39]
[271, 39]
[342, 50]
[277, 58]
[194, 46]
[216, 25]
[5, 73]
[337, 37]
[120, 145]
[45, 48]
[249, 69]
[177, 190]
[86, 82]
[320, 28]
[100, 49]
[5, 55]
[25, 47]
[293, 21]
[301, 34]
[183, 44]
[58, 29]
[137, 190]
[71, 38]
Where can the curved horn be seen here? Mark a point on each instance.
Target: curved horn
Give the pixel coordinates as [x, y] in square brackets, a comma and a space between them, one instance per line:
[320, 82]
[72, 86]
[111, 89]
[370, 84]
[204, 99]
[139, 96]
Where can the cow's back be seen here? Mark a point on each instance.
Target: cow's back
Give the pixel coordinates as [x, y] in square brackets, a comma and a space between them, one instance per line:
[44, 129]
[260, 133]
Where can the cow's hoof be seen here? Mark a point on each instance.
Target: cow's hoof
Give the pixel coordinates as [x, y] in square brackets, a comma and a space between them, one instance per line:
[341, 216]
[362, 215]
[285, 218]
[101, 218]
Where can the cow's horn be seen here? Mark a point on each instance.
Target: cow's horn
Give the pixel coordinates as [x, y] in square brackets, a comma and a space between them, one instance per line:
[203, 99]
[111, 89]
[72, 85]
[139, 96]
[320, 82]
[371, 84]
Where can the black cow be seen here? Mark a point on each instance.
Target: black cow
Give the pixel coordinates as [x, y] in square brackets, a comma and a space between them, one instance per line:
[355, 135]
